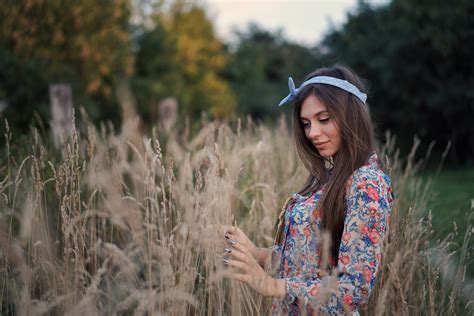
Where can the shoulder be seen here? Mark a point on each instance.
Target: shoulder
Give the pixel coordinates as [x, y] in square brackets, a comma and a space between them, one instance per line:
[370, 174]
[370, 181]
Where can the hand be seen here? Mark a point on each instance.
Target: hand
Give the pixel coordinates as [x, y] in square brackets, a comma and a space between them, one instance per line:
[236, 234]
[246, 269]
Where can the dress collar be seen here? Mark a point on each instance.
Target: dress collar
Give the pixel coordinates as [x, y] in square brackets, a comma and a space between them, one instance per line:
[373, 160]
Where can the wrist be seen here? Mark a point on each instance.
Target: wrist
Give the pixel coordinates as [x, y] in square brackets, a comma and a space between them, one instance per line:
[280, 288]
[275, 287]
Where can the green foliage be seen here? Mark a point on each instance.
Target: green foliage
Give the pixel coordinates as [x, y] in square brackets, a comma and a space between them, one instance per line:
[260, 68]
[417, 55]
[156, 76]
[451, 200]
[83, 43]
[22, 84]
[89, 37]
[201, 57]
[180, 56]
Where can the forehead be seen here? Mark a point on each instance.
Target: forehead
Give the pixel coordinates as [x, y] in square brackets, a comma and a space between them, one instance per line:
[311, 106]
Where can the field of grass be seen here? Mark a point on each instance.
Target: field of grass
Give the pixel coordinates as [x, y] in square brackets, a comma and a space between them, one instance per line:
[125, 223]
[452, 198]
[451, 202]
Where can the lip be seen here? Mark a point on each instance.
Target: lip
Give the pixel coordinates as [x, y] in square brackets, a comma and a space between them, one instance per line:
[320, 144]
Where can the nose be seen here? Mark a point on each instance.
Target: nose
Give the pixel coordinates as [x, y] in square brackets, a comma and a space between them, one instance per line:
[315, 131]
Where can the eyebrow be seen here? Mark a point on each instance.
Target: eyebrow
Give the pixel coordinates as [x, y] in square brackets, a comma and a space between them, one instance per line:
[315, 115]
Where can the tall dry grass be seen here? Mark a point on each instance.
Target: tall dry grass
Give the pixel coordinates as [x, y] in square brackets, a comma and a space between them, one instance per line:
[126, 223]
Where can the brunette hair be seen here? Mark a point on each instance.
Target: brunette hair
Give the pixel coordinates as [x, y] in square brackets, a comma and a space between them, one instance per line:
[352, 119]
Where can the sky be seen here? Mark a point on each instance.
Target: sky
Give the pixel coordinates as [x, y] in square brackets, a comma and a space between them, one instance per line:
[302, 21]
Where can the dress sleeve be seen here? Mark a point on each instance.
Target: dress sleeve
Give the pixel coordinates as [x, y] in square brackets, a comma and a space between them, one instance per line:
[369, 199]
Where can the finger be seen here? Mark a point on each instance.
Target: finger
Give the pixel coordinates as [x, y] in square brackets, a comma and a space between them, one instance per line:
[235, 264]
[231, 240]
[239, 256]
[247, 257]
[239, 246]
[229, 230]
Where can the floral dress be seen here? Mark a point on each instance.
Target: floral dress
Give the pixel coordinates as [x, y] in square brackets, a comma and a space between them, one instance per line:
[310, 290]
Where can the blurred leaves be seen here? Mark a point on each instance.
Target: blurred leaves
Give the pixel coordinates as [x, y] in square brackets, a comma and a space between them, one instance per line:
[88, 37]
[180, 56]
[201, 58]
[260, 66]
[83, 43]
[17, 78]
[417, 55]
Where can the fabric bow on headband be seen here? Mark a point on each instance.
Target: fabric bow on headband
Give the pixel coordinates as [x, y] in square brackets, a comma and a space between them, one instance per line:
[342, 84]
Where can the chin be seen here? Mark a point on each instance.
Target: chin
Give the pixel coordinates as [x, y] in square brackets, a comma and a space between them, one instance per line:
[326, 153]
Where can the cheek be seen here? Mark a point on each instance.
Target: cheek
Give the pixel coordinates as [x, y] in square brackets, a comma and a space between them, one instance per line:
[333, 132]
[306, 132]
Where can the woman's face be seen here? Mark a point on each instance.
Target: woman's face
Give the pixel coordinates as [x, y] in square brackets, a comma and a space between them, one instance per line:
[319, 127]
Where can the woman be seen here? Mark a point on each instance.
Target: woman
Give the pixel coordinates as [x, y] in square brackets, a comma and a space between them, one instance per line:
[329, 239]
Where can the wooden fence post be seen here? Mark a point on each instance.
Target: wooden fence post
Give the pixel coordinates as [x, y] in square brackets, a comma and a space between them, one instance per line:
[60, 97]
[168, 114]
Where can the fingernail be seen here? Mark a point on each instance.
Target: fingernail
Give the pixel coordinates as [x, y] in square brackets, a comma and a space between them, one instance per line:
[233, 242]
[225, 261]
[228, 250]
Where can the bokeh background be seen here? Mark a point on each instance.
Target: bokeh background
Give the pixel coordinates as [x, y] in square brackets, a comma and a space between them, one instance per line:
[181, 64]
[416, 57]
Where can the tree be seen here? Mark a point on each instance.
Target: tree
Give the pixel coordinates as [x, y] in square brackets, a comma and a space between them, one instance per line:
[156, 69]
[260, 66]
[21, 85]
[82, 42]
[90, 36]
[417, 54]
[201, 58]
[180, 56]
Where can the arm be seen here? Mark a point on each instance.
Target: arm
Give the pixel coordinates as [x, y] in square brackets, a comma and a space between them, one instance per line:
[368, 207]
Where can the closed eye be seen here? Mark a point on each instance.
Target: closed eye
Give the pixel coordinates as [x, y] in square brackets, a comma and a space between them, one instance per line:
[324, 121]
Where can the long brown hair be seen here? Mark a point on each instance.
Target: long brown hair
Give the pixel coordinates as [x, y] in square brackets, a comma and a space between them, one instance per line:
[352, 119]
